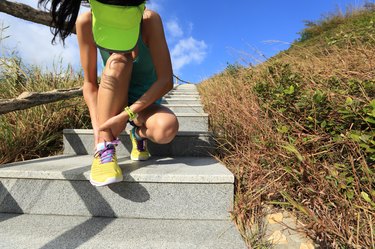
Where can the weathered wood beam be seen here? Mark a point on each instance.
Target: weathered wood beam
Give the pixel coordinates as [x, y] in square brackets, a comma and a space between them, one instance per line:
[31, 99]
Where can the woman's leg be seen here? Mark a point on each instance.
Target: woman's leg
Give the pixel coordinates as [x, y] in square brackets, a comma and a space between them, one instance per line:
[113, 91]
[157, 123]
[112, 96]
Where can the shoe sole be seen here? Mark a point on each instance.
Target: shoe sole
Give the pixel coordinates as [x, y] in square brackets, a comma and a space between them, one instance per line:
[109, 181]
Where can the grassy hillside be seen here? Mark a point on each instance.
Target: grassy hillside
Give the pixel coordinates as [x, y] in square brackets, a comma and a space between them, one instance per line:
[37, 132]
[298, 132]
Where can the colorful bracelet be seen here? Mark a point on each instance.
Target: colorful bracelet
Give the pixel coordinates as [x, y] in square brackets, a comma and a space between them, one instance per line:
[131, 114]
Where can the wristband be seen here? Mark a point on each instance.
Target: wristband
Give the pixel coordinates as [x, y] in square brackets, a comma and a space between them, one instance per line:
[131, 114]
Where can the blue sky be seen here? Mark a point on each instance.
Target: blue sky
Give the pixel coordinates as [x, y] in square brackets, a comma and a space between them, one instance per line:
[203, 36]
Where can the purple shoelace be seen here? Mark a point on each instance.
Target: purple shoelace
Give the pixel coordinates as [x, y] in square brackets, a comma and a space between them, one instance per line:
[106, 155]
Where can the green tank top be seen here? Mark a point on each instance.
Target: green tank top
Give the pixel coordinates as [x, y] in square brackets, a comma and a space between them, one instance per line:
[143, 74]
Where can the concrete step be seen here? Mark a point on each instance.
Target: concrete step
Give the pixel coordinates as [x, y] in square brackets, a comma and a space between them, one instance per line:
[193, 121]
[81, 142]
[184, 92]
[191, 90]
[183, 96]
[177, 93]
[160, 188]
[189, 121]
[180, 101]
[185, 108]
[185, 87]
[53, 232]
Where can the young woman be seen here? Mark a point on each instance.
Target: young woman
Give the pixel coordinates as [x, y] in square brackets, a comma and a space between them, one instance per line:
[137, 73]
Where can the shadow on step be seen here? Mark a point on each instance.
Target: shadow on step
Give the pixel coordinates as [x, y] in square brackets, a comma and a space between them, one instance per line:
[4, 216]
[79, 234]
[131, 191]
[7, 200]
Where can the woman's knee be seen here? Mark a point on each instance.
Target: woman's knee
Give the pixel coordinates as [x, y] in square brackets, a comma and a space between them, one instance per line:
[165, 129]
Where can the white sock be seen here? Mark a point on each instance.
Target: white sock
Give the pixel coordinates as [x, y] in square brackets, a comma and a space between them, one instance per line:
[100, 146]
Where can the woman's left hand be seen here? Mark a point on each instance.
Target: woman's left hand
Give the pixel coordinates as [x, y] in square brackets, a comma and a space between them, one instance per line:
[115, 124]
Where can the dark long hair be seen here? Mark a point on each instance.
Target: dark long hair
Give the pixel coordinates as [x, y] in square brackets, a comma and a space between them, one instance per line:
[64, 14]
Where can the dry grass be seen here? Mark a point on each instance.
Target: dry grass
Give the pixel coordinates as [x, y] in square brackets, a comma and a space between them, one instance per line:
[37, 132]
[297, 133]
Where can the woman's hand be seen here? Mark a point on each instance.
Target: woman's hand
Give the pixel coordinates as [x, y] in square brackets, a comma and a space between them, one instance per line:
[115, 124]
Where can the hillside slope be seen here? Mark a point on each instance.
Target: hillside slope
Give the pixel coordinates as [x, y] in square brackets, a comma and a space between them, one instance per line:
[298, 131]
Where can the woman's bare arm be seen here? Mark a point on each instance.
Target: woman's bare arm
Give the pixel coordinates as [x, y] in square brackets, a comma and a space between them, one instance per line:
[88, 55]
[155, 39]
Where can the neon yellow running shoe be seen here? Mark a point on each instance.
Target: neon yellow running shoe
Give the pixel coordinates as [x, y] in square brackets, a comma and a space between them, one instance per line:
[105, 169]
[139, 150]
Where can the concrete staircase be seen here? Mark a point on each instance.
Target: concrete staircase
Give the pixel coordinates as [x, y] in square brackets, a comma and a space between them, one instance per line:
[181, 198]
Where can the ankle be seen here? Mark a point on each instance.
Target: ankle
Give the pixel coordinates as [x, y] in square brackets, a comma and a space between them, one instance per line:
[103, 145]
[105, 137]
[137, 135]
[100, 146]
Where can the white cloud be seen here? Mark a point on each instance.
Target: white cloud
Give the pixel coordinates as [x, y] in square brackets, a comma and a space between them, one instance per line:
[154, 6]
[32, 42]
[188, 51]
[174, 29]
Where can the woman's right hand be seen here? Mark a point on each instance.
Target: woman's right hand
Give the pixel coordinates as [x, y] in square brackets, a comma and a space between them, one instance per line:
[116, 124]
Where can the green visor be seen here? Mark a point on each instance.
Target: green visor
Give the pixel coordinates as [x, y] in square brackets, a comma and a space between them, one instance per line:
[116, 28]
